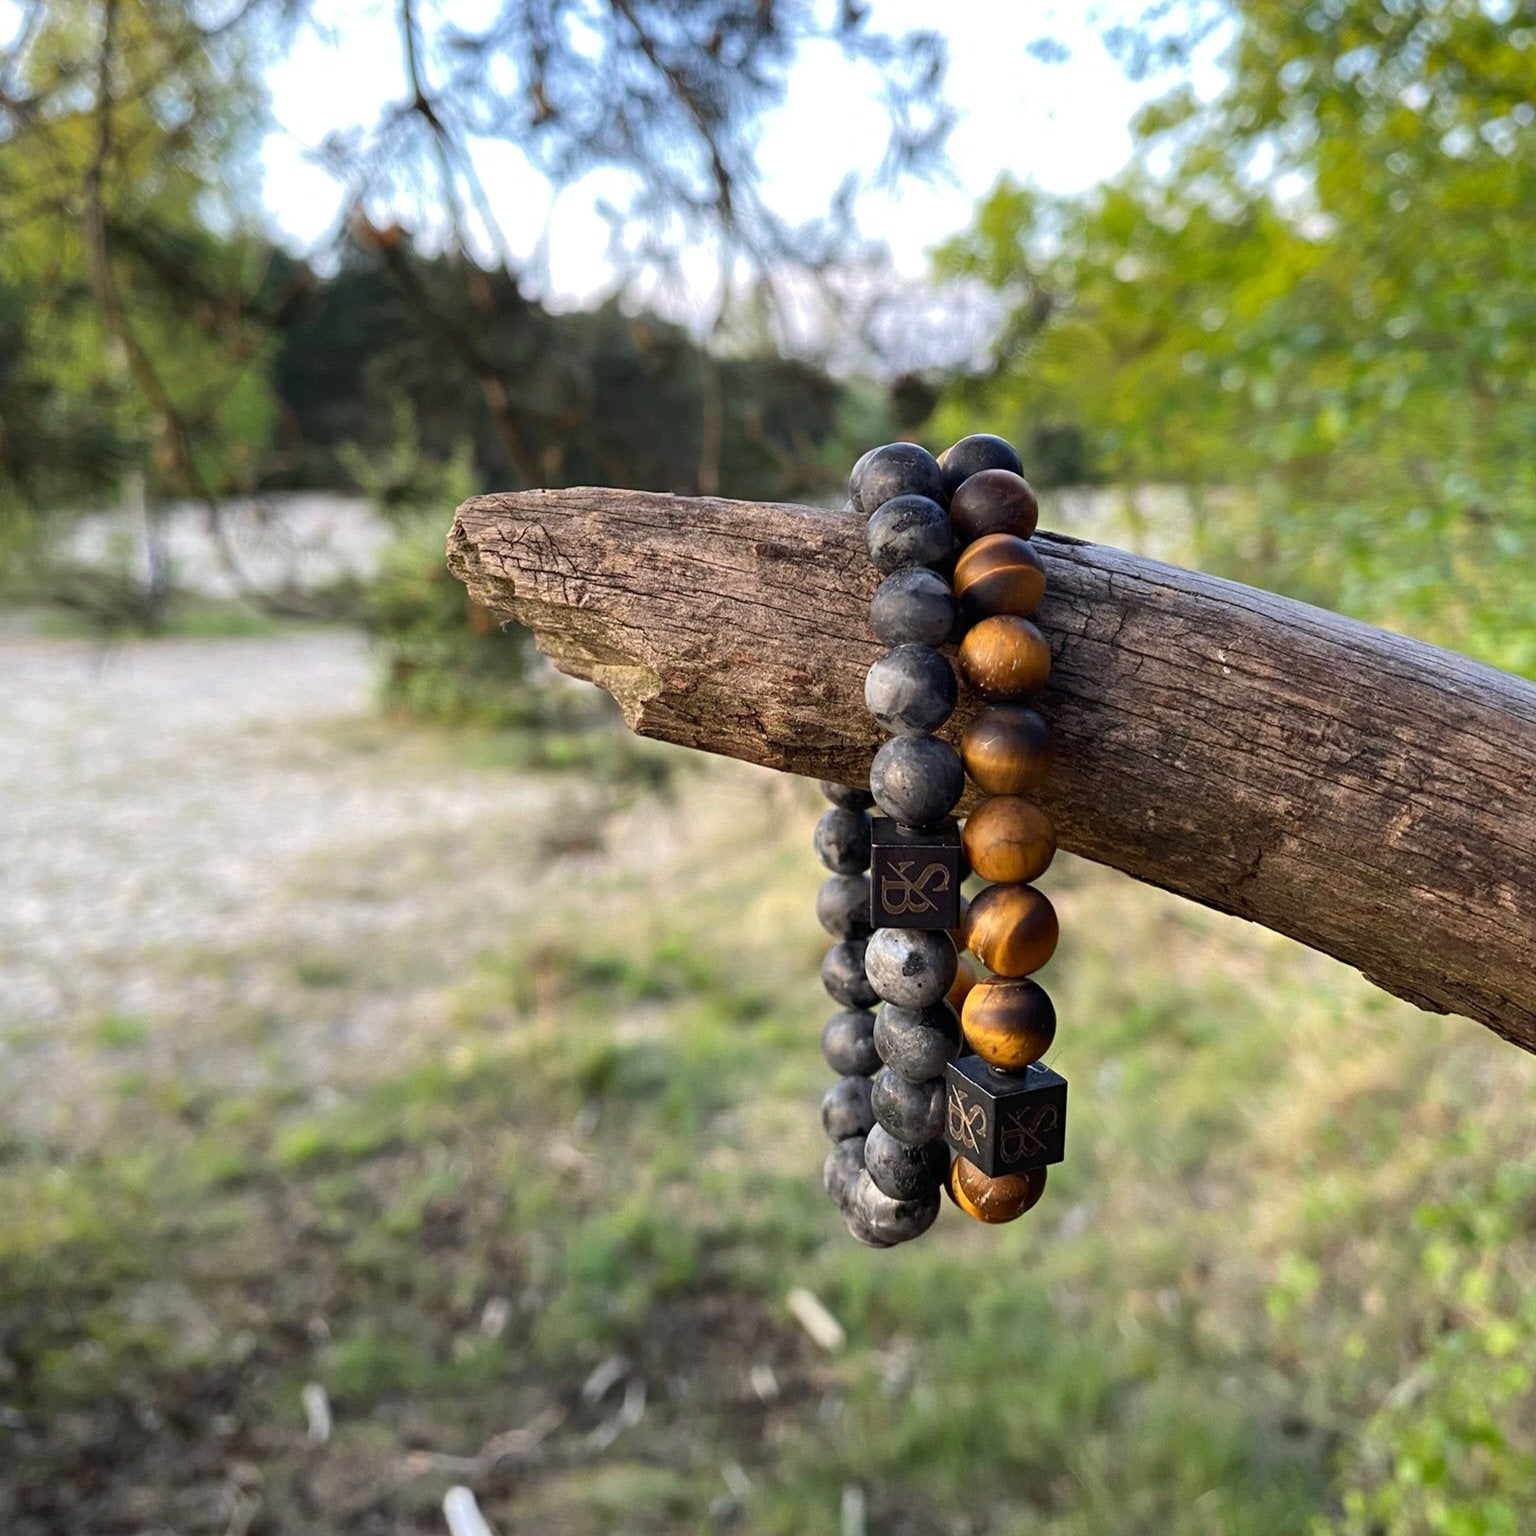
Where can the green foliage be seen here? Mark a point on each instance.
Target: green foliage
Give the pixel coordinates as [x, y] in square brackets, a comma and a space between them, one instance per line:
[1451, 1451]
[134, 350]
[119, 1031]
[439, 663]
[131, 337]
[1309, 302]
[605, 396]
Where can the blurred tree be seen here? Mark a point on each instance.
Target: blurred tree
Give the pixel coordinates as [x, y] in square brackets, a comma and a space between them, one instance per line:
[131, 276]
[144, 306]
[599, 395]
[1314, 294]
[670, 98]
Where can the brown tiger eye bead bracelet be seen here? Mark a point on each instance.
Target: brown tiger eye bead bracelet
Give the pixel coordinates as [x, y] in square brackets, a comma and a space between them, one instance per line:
[899, 927]
[1005, 1114]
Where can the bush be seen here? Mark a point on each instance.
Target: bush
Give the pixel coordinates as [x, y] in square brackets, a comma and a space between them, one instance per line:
[445, 658]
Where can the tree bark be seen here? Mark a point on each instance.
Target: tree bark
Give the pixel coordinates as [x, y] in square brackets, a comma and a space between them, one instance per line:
[1371, 796]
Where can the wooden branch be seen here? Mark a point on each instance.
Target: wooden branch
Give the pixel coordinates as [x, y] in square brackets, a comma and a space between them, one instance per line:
[1373, 797]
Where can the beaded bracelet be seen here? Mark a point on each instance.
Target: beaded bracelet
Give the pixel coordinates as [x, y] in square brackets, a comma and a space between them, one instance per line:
[906, 1098]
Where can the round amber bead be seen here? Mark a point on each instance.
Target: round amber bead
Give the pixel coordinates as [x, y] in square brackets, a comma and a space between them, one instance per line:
[1008, 1022]
[1010, 840]
[999, 574]
[1005, 657]
[994, 501]
[1007, 749]
[993, 1200]
[1011, 929]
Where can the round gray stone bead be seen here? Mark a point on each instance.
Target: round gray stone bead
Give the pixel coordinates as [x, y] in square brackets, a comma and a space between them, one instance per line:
[912, 1112]
[856, 474]
[914, 606]
[917, 779]
[842, 974]
[858, 1224]
[903, 1172]
[917, 1043]
[971, 455]
[842, 840]
[845, 1109]
[846, 795]
[886, 1221]
[848, 1043]
[843, 1165]
[897, 469]
[842, 906]
[908, 530]
[912, 967]
[911, 690]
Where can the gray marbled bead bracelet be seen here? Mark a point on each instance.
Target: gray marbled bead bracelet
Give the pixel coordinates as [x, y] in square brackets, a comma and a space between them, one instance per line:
[889, 1161]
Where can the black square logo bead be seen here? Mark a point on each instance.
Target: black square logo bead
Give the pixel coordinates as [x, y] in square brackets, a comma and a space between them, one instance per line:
[1005, 1122]
[914, 876]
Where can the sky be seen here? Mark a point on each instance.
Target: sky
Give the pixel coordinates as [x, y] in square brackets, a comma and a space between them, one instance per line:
[1059, 126]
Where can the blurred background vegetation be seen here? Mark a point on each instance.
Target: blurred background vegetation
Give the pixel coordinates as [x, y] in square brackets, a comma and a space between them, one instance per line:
[1286, 1282]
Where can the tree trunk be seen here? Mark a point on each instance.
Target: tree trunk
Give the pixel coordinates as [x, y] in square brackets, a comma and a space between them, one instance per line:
[1373, 797]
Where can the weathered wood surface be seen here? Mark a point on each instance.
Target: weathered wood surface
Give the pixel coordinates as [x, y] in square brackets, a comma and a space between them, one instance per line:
[1373, 797]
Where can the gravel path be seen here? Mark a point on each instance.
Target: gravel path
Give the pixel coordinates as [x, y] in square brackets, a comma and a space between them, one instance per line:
[214, 863]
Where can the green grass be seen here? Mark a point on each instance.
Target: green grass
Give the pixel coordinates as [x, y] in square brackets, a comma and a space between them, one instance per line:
[592, 748]
[118, 1032]
[321, 971]
[1285, 1283]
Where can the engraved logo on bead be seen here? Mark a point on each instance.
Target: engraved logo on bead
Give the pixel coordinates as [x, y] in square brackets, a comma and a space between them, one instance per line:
[902, 894]
[965, 1123]
[1024, 1130]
